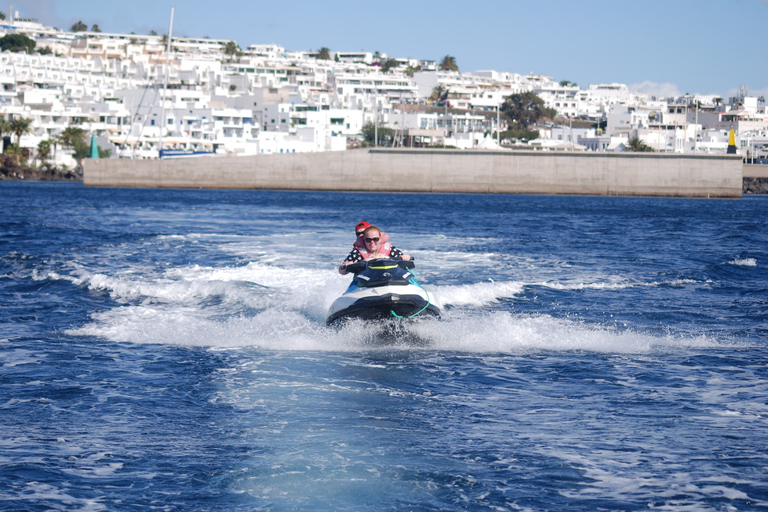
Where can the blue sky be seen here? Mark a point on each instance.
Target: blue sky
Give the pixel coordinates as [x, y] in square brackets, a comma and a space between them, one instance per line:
[658, 46]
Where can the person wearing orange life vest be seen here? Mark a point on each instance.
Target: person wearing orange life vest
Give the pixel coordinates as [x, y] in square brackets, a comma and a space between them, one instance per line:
[360, 241]
[375, 248]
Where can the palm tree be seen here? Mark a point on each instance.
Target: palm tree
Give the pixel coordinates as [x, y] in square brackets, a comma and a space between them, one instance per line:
[81, 150]
[411, 70]
[5, 127]
[231, 49]
[44, 151]
[324, 53]
[70, 135]
[718, 101]
[449, 63]
[439, 93]
[20, 126]
[637, 144]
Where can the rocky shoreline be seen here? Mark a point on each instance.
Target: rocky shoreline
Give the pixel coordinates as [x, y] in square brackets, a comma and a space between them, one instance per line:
[754, 186]
[10, 170]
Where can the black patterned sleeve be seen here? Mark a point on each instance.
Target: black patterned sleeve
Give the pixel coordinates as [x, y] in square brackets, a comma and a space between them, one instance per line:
[395, 253]
[354, 256]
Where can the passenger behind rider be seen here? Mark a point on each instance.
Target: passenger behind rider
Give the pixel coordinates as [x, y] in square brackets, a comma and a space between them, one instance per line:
[359, 241]
[375, 247]
[360, 228]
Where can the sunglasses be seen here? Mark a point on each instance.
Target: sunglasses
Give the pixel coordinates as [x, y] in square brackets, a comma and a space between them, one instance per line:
[372, 239]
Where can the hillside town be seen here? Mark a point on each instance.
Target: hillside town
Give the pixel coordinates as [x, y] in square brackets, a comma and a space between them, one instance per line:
[67, 95]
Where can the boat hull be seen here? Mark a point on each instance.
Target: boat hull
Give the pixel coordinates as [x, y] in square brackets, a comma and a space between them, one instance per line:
[384, 289]
[381, 303]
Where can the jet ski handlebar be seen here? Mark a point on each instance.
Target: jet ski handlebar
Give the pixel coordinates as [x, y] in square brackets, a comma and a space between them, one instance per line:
[358, 267]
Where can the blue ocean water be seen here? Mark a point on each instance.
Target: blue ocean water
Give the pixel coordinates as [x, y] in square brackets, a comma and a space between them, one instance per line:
[166, 350]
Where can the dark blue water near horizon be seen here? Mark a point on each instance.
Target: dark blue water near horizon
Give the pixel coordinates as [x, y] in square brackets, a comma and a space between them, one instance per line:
[167, 350]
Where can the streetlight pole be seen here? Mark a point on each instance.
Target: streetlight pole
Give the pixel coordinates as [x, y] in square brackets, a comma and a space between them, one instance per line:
[498, 124]
[445, 122]
[696, 134]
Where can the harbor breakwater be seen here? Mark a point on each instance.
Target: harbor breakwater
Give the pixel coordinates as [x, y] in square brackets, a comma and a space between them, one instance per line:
[755, 179]
[437, 170]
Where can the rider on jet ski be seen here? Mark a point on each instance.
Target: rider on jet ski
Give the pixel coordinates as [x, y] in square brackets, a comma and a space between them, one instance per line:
[374, 245]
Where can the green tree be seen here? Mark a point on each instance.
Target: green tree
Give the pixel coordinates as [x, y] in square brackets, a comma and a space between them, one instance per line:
[370, 131]
[44, 150]
[17, 43]
[20, 155]
[81, 150]
[20, 126]
[324, 53]
[5, 128]
[2, 15]
[231, 49]
[70, 136]
[449, 63]
[524, 109]
[636, 144]
[718, 101]
[388, 65]
[78, 27]
[95, 28]
[520, 134]
[439, 93]
[411, 70]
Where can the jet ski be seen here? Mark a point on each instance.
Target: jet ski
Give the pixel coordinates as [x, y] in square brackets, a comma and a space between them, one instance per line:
[383, 289]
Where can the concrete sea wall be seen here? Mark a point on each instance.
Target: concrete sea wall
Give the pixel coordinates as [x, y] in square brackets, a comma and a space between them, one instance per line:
[420, 170]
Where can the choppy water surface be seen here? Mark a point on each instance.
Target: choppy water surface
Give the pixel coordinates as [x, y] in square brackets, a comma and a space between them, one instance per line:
[166, 350]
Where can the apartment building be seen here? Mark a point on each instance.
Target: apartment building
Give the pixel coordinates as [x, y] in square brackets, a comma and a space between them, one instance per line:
[268, 99]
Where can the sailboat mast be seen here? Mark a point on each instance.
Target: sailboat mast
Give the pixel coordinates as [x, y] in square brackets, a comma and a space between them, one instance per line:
[163, 121]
